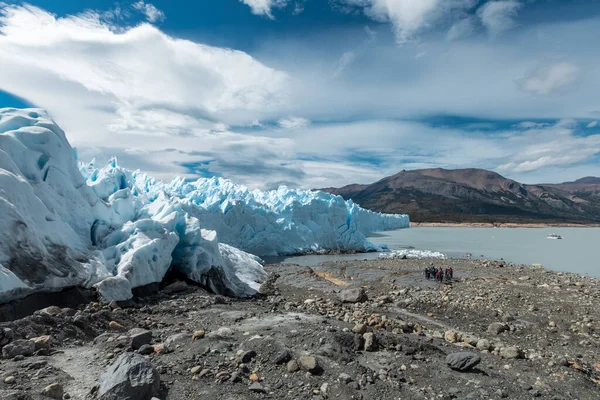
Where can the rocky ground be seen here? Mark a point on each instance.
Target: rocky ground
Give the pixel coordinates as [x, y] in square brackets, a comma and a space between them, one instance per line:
[373, 329]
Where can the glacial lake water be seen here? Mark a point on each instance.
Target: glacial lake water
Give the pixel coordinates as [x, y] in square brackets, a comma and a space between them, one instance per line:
[578, 251]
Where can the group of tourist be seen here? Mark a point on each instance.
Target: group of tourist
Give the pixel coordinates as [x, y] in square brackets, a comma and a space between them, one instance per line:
[439, 274]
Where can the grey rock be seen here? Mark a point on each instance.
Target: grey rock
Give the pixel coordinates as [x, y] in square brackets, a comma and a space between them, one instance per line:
[130, 377]
[256, 388]
[370, 342]
[54, 391]
[146, 349]
[463, 361]
[497, 328]
[344, 378]
[293, 366]
[139, 337]
[6, 336]
[511, 352]
[282, 357]
[18, 348]
[247, 356]
[310, 364]
[178, 339]
[353, 295]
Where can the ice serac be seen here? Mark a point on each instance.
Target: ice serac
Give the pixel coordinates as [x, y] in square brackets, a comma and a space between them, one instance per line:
[64, 224]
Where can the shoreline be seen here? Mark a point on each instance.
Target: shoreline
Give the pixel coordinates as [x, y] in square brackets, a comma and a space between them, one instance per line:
[499, 225]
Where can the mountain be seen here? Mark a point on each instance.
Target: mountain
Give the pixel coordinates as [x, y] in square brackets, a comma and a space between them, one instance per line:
[477, 195]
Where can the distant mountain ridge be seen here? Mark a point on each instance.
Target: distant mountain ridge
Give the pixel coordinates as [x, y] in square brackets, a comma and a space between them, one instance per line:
[477, 195]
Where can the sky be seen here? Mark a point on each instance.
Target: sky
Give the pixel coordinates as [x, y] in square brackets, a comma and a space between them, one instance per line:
[313, 93]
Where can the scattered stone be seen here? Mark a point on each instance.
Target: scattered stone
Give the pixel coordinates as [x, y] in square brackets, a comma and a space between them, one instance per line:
[483, 344]
[247, 356]
[293, 366]
[176, 340]
[310, 364]
[282, 357]
[199, 334]
[139, 337]
[254, 378]
[42, 342]
[18, 348]
[146, 349]
[256, 388]
[511, 352]
[353, 295]
[9, 380]
[451, 336]
[370, 342]
[6, 336]
[54, 391]
[463, 361]
[115, 326]
[344, 378]
[497, 328]
[361, 329]
[196, 369]
[130, 377]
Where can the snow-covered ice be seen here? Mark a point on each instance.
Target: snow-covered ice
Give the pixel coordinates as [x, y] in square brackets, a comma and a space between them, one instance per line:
[411, 253]
[64, 224]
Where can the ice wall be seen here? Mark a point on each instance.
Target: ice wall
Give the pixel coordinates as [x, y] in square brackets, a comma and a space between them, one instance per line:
[66, 225]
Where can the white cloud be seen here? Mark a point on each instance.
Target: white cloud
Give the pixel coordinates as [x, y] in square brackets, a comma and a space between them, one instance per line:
[293, 123]
[592, 124]
[549, 79]
[265, 7]
[346, 59]
[152, 13]
[498, 15]
[409, 17]
[461, 29]
[552, 146]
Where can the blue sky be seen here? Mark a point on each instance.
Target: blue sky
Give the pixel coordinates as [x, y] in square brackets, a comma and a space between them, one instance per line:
[313, 93]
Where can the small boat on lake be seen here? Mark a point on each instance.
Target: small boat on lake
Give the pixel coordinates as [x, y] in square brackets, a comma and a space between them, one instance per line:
[553, 236]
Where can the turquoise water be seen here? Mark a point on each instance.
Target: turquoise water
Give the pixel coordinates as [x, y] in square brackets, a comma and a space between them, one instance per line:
[578, 251]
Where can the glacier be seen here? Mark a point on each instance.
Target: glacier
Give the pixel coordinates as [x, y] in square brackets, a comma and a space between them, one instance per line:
[66, 223]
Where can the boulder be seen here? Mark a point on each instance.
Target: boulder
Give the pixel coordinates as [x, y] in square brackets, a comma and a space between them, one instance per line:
[463, 361]
[139, 337]
[353, 295]
[130, 377]
[18, 348]
[483, 344]
[178, 339]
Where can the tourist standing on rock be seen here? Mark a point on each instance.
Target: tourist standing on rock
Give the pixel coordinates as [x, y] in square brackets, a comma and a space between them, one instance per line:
[451, 273]
[427, 273]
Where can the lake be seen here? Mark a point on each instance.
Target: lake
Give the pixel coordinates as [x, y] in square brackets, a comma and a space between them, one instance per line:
[578, 251]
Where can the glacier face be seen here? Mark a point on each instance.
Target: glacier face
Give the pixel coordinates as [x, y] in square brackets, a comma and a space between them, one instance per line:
[65, 224]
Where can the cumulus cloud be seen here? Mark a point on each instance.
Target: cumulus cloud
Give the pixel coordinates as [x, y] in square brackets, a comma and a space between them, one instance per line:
[265, 7]
[549, 79]
[293, 123]
[152, 13]
[498, 15]
[592, 124]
